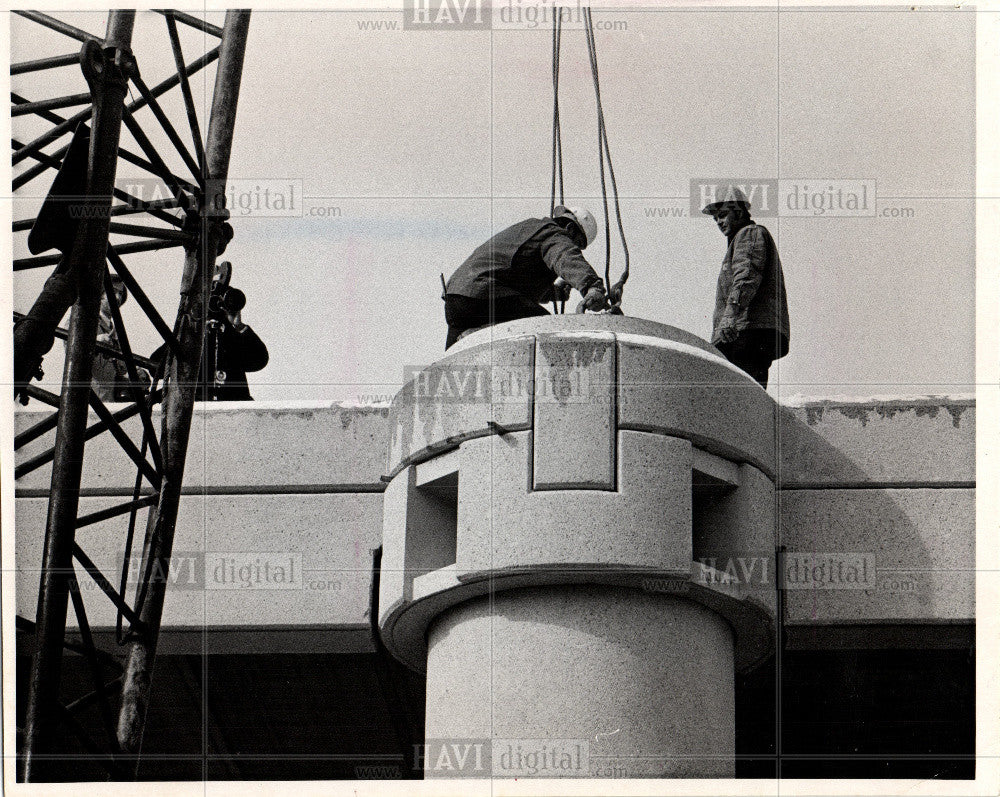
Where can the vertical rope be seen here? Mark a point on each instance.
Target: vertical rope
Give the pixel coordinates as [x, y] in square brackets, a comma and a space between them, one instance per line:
[557, 160]
[604, 150]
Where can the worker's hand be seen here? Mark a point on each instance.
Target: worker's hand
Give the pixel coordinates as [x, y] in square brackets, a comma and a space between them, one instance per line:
[729, 327]
[561, 291]
[595, 300]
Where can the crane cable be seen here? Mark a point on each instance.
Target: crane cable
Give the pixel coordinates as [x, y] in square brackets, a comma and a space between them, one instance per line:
[557, 162]
[614, 292]
[604, 151]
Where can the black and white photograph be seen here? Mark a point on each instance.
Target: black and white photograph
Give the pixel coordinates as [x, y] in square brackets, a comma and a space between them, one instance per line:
[502, 397]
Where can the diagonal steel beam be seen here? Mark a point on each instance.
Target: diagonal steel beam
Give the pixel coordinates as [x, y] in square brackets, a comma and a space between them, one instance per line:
[59, 26]
[182, 379]
[192, 112]
[106, 71]
[40, 64]
[124, 154]
[25, 108]
[160, 88]
[194, 22]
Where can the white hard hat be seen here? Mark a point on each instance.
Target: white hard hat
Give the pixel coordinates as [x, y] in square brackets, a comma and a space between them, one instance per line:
[584, 219]
[728, 195]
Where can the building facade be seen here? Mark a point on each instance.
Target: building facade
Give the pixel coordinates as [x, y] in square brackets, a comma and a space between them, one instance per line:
[579, 546]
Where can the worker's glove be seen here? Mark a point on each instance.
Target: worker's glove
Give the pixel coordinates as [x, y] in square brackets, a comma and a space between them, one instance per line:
[595, 300]
[561, 291]
[730, 325]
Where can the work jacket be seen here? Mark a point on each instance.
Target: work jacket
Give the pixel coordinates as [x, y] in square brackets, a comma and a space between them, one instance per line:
[524, 260]
[235, 352]
[751, 283]
[229, 355]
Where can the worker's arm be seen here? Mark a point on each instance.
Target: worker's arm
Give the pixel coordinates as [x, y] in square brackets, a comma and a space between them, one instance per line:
[244, 344]
[749, 259]
[564, 258]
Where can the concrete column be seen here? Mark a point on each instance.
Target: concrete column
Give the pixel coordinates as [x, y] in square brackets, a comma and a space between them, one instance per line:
[640, 684]
[553, 483]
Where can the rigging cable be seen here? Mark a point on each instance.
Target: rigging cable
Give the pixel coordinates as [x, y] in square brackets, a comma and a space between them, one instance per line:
[557, 161]
[604, 150]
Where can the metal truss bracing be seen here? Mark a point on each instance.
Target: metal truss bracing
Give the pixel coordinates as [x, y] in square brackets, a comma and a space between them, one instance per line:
[85, 204]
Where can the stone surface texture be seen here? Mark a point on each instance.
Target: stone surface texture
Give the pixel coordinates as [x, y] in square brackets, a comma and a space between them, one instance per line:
[919, 545]
[574, 411]
[644, 682]
[892, 441]
[237, 444]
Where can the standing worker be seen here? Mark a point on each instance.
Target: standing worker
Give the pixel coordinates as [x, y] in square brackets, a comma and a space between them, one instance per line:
[232, 349]
[750, 323]
[512, 273]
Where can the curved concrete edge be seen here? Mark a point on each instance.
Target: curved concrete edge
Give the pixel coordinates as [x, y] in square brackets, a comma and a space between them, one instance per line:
[664, 381]
[465, 394]
[584, 322]
[403, 625]
[669, 387]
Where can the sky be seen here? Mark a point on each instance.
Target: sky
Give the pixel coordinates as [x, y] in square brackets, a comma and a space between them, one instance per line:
[410, 148]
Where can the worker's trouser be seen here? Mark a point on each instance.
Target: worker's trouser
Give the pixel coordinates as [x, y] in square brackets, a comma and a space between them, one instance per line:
[753, 351]
[464, 313]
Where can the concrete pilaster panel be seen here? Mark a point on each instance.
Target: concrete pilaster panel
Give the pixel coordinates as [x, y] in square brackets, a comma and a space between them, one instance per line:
[609, 682]
[574, 422]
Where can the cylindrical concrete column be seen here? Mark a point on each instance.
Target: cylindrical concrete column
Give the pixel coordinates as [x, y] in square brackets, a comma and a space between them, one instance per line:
[575, 513]
[585, 681]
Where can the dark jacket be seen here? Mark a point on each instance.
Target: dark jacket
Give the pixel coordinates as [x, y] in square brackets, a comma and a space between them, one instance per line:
[752, 283]
[524, 260]
[239, 352]
[232, 352]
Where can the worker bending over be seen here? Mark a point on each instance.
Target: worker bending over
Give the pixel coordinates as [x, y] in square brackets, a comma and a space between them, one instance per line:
[510, 275]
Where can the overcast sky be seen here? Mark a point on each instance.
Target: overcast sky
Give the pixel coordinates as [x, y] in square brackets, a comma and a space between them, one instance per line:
[419, 144]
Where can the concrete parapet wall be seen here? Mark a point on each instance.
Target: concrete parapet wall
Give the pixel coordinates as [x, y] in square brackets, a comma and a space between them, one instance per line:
[281, 511]
[889, 478]
[884, 489]
[241, 444]
[898, 441]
